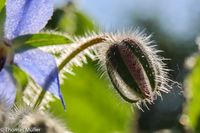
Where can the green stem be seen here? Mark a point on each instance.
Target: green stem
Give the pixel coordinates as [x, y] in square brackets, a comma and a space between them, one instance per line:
[82, 47]
[74, 53]
[39, 99]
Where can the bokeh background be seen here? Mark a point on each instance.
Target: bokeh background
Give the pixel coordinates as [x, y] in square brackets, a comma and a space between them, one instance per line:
[93, 106]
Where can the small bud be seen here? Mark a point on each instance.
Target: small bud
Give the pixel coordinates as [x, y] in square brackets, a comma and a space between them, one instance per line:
[3, 116]
[42, 122]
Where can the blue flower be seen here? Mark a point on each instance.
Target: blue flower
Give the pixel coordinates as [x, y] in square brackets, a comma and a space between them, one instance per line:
[26, 17]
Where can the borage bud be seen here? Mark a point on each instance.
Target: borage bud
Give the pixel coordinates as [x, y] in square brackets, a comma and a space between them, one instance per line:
[135, 70]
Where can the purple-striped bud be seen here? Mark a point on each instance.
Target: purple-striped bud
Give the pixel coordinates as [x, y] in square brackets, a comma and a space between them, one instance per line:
[132, 70]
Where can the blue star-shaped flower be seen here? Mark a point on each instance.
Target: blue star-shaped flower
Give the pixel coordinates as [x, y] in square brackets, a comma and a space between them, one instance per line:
[26, 17]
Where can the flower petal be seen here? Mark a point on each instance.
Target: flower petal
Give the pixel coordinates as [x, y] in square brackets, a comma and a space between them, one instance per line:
[26, 16]
[42, 68]
[7, 89]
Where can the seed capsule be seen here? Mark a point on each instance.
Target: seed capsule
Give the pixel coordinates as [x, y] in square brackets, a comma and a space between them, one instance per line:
[131, 70]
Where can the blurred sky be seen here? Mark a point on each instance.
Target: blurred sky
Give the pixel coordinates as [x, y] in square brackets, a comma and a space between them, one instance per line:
[178, 17]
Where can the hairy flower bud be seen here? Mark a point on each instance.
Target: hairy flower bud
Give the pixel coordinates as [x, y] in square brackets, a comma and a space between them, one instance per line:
[42, 122]
[3, 117]
[134, 68]
[30, 120]
[128, 62]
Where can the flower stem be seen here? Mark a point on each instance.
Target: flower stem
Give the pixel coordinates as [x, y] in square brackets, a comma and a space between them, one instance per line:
[39, 99]
[83, 46]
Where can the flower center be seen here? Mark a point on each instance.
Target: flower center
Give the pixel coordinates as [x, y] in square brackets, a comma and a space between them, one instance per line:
[6, 53]
[2, 58]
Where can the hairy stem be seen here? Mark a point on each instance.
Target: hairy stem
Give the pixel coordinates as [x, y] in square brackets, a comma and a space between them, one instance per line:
[82, 47]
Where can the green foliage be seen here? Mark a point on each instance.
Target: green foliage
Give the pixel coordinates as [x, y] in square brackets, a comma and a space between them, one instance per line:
[194, 102]
[2, 3]
[21, 80]
[92, 107]
[2, 17]
[72, 21]
[41, 39]
[20, 76]
[83, 23]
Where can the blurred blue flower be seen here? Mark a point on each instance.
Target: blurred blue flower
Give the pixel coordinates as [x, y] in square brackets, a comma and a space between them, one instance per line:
[26, 17]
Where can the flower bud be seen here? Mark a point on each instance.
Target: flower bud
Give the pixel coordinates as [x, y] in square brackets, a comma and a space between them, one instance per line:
[3, 117]
[37, 121]
[134, 70]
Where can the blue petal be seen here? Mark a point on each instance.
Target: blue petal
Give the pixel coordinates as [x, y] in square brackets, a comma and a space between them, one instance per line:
[26, 16]
[42, 68]
[7, 89]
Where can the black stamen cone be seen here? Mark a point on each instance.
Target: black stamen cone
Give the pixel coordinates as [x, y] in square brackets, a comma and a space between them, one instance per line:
[2, 59]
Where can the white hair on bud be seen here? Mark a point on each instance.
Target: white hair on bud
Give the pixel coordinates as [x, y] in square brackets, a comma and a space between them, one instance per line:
[25, 117]
[147, 45]
[4, 117]
[43, 121]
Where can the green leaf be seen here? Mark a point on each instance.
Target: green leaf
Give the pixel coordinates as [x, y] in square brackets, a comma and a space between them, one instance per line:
[92, 107]
[193, 83]
[2, 4]
[83, 24]
[21, 81]
[41, 39]
[69, 19]
[2, 19]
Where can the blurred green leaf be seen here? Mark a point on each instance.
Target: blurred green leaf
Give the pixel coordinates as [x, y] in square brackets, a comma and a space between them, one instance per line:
[2, 3]
[41, 39]
[70, 20]
[21, 81]
[92, 107]
[194, 103]
[83, 24]
[2, 18]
